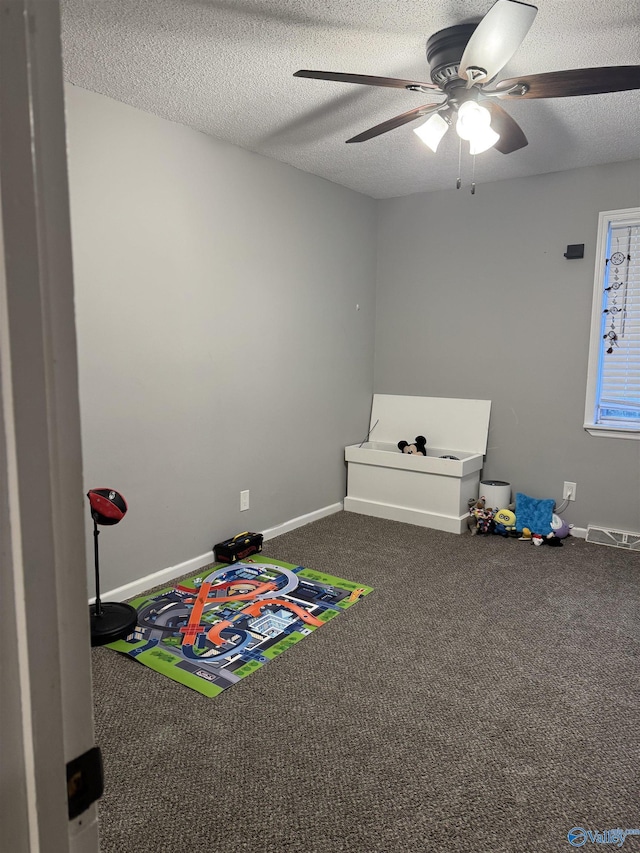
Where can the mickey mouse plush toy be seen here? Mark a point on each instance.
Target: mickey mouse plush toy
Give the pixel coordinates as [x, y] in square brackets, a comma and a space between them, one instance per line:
[418, 448]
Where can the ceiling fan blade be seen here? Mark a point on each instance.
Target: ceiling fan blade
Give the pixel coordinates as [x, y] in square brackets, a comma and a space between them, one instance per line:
[392, 123]
[365, 79]
[577, 81]
[511, 134]
[496, 38]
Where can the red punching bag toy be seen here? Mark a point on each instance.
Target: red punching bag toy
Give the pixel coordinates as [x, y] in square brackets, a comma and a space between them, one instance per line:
[112, 620]
[107, 505]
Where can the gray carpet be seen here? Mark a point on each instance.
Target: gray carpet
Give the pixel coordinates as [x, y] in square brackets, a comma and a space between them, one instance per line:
[484, 697]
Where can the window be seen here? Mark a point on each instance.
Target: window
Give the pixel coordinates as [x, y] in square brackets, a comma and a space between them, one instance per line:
[613, 380]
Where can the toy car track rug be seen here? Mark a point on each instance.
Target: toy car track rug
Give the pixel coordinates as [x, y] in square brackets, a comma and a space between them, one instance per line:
[211, 631]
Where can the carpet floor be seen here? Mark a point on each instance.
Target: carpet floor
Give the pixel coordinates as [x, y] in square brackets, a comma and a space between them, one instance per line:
[484, 697]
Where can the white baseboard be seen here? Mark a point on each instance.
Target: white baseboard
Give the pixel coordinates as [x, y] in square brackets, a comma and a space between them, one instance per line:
[579, 532]
[130, 590]
[165, 576]
[301, 520]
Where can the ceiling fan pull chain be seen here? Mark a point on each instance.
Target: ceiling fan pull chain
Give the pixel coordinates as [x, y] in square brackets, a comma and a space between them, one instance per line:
[459, 181]
[473, 176]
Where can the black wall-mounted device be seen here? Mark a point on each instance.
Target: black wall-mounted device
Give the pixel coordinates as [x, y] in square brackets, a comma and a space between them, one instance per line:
[576, 250]
[85, 781]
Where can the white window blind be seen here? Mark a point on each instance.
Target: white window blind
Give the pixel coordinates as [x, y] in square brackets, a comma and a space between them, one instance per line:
[613, 392]
[619, 391]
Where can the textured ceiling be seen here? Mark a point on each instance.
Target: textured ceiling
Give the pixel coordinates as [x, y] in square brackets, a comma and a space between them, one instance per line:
[225, 67]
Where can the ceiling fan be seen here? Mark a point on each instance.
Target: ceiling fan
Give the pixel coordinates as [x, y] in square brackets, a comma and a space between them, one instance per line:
[463, 59]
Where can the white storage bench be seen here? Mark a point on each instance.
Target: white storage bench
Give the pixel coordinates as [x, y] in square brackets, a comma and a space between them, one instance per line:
[423, 490]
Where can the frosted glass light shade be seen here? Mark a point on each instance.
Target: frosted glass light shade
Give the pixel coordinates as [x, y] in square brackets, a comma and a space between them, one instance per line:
[482, 140]
[472, 119]
[432, 131]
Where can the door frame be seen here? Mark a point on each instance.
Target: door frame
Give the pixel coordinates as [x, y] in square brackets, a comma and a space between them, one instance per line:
[46, 702]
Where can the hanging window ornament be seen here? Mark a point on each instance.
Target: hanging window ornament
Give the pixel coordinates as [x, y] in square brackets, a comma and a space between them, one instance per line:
[612, 338]
[616, 290]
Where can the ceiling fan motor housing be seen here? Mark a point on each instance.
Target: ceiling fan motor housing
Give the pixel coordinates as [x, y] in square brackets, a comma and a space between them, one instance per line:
[444, 52]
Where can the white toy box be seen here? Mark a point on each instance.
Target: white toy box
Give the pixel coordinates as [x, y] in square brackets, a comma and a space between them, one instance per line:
[425, 490]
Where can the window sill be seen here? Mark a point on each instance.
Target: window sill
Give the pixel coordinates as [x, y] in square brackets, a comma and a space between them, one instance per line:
[612, 432]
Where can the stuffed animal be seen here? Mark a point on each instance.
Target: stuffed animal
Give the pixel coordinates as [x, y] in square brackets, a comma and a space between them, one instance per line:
[472, 520]
[480, 517]
[505, 523]
[486, 523]
[559, 527]
[418, 448]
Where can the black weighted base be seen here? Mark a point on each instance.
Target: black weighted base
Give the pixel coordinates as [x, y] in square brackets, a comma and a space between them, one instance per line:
[115, 622]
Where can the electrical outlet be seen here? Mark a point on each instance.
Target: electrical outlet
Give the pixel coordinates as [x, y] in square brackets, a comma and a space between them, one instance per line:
[244, 500]
[569, 492]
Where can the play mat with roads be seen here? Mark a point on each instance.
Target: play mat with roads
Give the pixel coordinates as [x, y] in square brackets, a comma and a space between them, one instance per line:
[210, 631]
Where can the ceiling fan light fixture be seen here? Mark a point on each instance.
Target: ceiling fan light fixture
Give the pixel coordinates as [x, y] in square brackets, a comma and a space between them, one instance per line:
[482, 140]
[474, 54]
[472, 120]
[432, 131]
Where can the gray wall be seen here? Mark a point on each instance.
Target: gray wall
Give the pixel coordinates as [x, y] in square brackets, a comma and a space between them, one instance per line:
[219, 344]
[475, 299]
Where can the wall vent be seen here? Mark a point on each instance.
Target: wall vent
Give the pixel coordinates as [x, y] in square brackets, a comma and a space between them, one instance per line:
[613, 538]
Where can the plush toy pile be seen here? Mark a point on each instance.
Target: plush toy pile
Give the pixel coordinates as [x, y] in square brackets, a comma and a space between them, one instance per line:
[527, 519]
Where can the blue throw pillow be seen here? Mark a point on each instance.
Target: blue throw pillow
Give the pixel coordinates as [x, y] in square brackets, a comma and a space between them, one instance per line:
[534, 513]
